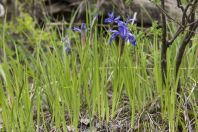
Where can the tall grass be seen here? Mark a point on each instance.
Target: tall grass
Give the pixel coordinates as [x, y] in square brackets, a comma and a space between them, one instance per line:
[47, 88]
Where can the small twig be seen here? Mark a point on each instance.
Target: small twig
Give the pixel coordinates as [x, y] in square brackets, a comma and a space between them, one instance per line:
[178, 32]
[179, 4]
[184, 17]
[186, 117]
[33, 8]
[192, 12]
[190, 24]
[192, 90]
[164, 12]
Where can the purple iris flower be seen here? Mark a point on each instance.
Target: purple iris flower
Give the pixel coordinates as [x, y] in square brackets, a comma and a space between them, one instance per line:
[111, 18]
[124, 33]
[80, 29]
[67, 45]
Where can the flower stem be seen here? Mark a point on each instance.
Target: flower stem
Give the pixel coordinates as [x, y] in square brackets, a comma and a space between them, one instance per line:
[83, 39]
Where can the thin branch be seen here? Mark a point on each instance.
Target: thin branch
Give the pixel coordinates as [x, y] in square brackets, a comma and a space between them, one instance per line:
[194, 5]
[164, 44]
[179, 4]
[184, 22]
[164, 12]
[178, 32]
[188, 36]
[190, 24]
[183, 25]
[182, 47]
[184, 17]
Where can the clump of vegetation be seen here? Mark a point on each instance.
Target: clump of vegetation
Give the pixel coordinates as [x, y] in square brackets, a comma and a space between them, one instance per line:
[95, 86]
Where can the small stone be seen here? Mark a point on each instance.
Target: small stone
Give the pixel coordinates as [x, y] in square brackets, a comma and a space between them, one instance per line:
[85, 121]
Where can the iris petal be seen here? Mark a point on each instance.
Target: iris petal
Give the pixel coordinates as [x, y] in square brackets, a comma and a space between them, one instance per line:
[114, 31]
[123, 31]
[68, 49]
[131, 39]
[113, 36]
[76, 29]
[117, 19]
[111, 15]
[108, 20]
[111, 18]
[83, 27]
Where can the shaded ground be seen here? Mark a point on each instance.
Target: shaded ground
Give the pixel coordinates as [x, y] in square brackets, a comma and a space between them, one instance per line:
[148, 119]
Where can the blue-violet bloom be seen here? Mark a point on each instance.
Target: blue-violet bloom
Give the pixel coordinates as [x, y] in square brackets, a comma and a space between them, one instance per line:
[111, 18]
[124, 33]
[66, 40]
[80, 29]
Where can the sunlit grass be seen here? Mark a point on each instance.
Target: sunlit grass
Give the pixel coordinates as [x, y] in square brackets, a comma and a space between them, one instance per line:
[48, 79]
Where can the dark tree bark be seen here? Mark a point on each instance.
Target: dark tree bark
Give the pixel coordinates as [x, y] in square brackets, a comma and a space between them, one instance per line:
[164, 44]
[188, 25]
